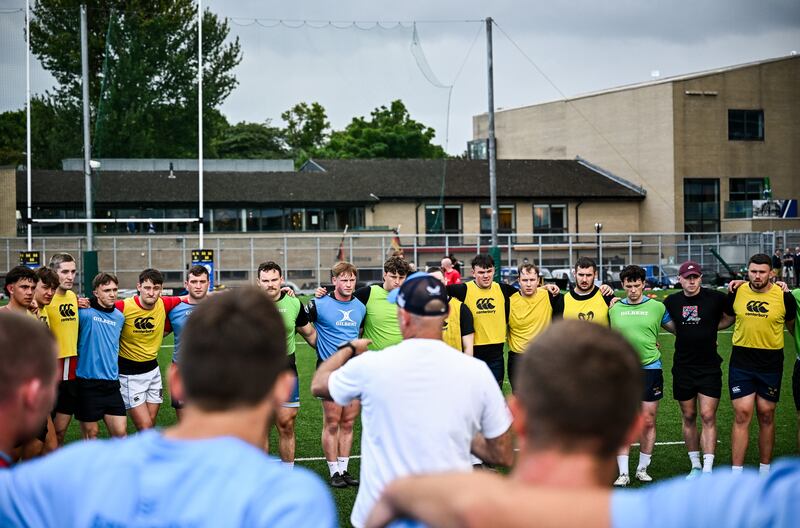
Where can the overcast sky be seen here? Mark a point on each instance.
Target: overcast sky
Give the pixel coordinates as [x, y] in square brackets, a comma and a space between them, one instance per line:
[581, 45]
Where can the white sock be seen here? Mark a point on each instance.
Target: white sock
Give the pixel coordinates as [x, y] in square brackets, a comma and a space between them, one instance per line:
[644, 460]
[708, 463]
[622, 464]
[289, 465]
[694, 458]
[763, 469]
[737, 469]
[343, 464]
[333, 467]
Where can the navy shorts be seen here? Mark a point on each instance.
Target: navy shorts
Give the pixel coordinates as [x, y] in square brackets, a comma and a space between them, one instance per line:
[688, 382]
[97, 398]
[743, 382]
[653, 385]
[294, 397]
[796, 384]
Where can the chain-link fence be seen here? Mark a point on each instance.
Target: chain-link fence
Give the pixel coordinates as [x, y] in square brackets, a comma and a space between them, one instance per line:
[307, 259]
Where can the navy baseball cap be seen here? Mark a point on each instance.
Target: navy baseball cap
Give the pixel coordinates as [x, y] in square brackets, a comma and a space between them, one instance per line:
[417, 292]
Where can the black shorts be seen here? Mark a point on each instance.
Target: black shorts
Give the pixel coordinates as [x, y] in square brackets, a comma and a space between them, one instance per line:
[67, 400]
[742, 382]
[688, 382]
[796, 384]
[653, 385]
[97, 398]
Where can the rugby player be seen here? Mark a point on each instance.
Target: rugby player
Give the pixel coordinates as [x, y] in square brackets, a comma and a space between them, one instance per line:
[696, 374]
[338, 318]
[20, 285]
[451, 275]
[796, 370]
[531, 310]
[586, 301]
[62, 316]
[762, 310]
[209, 469]
[458, 329]
[145, 322]
[426, 406]
[27, 381]
[100, 327]
[489, 303]
[638, 318]
[196, 284]
[295, 321]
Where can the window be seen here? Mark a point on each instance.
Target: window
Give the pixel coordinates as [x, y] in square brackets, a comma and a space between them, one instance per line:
[505, 219]
[701, 205]
[478, 149]
[224, 220]
[742, 189]
[442, 219]
[746, 125]
[549, 218]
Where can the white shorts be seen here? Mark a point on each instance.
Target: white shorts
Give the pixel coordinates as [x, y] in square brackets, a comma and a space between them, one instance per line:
[137, 389]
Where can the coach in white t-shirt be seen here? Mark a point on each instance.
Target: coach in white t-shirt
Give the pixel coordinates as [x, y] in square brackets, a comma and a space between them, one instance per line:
[425, 406]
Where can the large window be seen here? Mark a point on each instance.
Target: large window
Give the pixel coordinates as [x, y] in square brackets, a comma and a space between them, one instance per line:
[549, 218]
[742, 189]
[746, 125]
[506, 221]
[442, 220]
[700, 205]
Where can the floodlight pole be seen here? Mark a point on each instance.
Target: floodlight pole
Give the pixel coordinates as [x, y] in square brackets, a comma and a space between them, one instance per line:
[28, 117]
[494, 251]
[200, 116]
[87, 145]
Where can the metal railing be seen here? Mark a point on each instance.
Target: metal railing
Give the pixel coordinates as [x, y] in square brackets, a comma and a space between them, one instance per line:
[307, 258]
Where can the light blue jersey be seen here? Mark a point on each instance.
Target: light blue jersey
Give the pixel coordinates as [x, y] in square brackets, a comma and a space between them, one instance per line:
[178, 317]
[98, 342]
[336, 322]
[722, 499]
[150, 480]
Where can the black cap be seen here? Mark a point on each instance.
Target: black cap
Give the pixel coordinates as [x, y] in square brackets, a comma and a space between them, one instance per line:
[417, 293]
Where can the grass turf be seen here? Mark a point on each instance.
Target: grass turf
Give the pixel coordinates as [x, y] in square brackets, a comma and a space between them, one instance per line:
[668, 460]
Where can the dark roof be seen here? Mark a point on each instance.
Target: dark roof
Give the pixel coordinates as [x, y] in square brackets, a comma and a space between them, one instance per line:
[344, 181]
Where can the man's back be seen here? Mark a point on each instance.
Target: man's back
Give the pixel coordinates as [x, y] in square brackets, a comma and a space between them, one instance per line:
[149, 480]
[422, 403]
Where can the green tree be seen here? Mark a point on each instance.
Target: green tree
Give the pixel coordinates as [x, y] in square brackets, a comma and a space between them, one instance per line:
[307, 127]
[390, 133]
[142, 71]
[251, 141]
[12, 137]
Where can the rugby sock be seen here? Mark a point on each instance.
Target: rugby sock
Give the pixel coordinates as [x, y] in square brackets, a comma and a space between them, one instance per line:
[343, 464]
[708, 463]
[737, 469]
[763, 469]
[622, 464]
[694, 458]
[333, 467]
[644, 460]
[289, 465]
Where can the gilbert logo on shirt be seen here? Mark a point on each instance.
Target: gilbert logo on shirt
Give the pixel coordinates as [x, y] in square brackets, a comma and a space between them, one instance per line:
[143, 323]
[484, 305]
[757, 308]
[345, 320]
[66, 310]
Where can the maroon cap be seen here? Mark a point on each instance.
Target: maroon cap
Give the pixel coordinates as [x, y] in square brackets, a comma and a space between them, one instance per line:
[690, 268]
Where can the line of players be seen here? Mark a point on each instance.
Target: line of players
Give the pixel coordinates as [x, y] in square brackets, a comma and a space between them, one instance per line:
[100, 386]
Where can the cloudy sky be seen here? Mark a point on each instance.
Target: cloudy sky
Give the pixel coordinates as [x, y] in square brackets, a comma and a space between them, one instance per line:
[580, 45]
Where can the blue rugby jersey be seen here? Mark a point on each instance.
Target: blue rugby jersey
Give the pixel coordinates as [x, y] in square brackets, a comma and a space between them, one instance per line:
[98, 342]
[336, 322]
[178, 317]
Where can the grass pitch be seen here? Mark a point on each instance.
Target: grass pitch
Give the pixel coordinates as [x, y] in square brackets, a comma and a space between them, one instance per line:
[669, 458]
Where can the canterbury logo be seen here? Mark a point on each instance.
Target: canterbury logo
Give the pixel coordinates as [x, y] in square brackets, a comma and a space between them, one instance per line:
[758, 306]
[484, 304]
[588, 316]
[66, 310]
[144, 323]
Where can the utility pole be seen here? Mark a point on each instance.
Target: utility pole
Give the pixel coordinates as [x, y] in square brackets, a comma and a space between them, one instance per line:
[494, 250]
[89, 268]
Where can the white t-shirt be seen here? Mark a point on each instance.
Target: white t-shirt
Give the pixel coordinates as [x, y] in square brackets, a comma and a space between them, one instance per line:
[422, 404]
